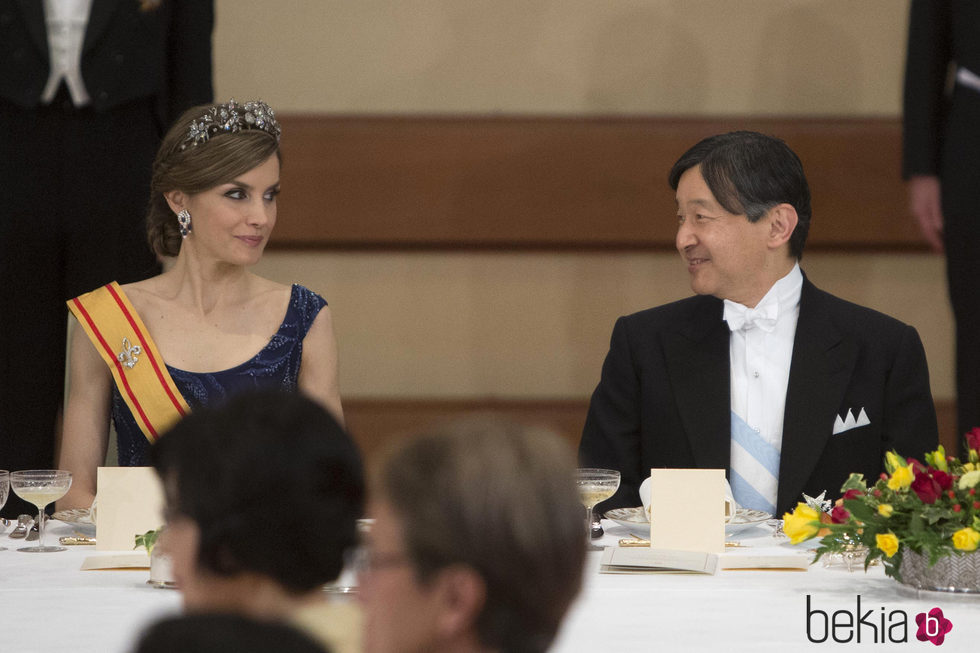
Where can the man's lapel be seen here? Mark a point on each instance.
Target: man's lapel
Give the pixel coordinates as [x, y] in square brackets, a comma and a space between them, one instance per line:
[822, 365]
[98, 18]
[33, 11]
[697, 359]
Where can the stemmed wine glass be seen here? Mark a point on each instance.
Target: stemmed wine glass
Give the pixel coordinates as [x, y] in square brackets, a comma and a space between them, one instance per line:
[41, 487]
[594, 485]
[4, 489]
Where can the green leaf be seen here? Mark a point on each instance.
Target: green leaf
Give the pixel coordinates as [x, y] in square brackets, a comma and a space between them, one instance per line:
[860, 510]
[147, 540]
[915, 523]
[854, 482]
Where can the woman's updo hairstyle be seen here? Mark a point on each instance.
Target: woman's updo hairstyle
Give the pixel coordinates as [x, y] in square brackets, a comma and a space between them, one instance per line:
[209, 145]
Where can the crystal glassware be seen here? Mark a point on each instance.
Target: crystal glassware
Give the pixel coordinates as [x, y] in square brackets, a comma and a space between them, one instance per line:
[594, 485]
[4, 490]
[40, 487]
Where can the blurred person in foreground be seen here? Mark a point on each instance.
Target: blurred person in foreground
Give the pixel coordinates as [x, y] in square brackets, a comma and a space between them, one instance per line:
[224, 633]
[149, 352]
[786, 387]
[477, 543]
[87, 88]
[262, 497]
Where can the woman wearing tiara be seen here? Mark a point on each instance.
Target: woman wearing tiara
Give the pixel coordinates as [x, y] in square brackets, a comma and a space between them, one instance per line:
[206, 328]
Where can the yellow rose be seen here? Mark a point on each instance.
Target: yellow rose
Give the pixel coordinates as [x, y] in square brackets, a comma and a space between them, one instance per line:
[969, 479]
[893, 461]
[801, 524]
[966, 539]
[901, 478]
[887, 542]
[885, 510]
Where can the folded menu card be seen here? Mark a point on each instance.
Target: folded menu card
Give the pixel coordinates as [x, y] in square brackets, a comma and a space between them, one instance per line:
[765, 558]
[632, 560]
[687, 509]
[130, 503]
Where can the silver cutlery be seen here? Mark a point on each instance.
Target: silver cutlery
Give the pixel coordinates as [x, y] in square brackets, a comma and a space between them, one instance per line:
[23, 524]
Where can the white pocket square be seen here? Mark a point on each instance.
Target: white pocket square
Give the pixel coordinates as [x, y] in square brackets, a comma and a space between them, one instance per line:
[848, 423]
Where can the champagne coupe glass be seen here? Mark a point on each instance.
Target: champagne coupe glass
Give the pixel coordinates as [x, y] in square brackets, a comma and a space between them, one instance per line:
[4, 489]
[594, 485]
[40, 487]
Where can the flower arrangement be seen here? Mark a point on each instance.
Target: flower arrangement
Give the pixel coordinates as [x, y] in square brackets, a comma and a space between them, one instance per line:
[931, 508]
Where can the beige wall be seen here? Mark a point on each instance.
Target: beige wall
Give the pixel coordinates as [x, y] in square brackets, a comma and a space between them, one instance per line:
[705, 57]
[537, 324]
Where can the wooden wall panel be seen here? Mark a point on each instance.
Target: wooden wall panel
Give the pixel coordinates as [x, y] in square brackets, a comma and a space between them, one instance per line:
[558, 183]
[375, 422]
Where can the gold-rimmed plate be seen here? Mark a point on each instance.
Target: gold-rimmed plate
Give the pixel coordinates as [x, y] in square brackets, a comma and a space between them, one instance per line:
[636, 517]
[76, 516]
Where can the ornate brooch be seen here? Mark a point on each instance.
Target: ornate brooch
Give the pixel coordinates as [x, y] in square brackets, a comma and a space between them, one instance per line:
[129, 355]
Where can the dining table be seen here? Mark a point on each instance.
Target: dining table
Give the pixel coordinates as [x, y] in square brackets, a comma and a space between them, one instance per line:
[49, 604]
[757, 609]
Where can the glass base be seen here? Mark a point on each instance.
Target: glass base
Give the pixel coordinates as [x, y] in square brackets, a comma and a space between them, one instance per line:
[42, 549]
[594, 547]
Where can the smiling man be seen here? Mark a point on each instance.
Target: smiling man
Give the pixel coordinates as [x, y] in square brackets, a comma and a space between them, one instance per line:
[786, 387]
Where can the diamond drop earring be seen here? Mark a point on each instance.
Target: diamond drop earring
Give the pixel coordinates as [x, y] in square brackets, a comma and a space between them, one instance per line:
[184, 220]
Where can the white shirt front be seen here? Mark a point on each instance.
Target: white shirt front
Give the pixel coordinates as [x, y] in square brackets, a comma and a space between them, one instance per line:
[66, 21]
[760, 362]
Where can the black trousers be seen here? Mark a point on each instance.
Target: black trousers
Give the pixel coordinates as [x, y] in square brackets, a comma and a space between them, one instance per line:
[961, 210]
[74, 187]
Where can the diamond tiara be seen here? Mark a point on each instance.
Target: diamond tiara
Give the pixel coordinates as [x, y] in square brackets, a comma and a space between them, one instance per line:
[230, 118]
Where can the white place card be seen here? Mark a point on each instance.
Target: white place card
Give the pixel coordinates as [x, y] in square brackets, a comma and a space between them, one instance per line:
[687, 509]
[130, 502]
[634, 560]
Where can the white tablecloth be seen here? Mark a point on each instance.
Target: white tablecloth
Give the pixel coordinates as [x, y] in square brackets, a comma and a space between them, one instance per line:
[747, 610]
[47, 604]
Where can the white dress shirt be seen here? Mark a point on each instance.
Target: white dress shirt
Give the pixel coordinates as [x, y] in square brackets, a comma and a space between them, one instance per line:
[66, 21]
[760, 359]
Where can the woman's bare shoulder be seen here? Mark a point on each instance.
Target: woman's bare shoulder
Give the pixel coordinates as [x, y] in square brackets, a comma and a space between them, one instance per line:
[148, 294]
[271, 292]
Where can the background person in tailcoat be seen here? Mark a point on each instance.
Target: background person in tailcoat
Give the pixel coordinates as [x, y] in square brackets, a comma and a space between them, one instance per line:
[87, 89]
[941, 162]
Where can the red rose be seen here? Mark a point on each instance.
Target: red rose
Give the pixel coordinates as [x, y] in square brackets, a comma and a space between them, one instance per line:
[945, 480]
[926, 487]
[853, 494]
[973, 438]
[839, 515]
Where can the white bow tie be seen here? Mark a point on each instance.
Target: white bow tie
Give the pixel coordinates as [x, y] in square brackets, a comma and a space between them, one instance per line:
[742, 317]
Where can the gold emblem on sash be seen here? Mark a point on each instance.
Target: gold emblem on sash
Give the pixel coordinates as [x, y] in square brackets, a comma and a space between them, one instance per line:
[129, 355]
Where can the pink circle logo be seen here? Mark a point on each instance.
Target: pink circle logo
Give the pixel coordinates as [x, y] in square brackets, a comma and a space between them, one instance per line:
[933, 626]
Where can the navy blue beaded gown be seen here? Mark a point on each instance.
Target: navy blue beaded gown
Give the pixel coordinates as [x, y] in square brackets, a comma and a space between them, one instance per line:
[276, 366]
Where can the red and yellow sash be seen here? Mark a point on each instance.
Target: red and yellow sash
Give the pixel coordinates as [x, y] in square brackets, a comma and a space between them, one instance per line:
[120, 337]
